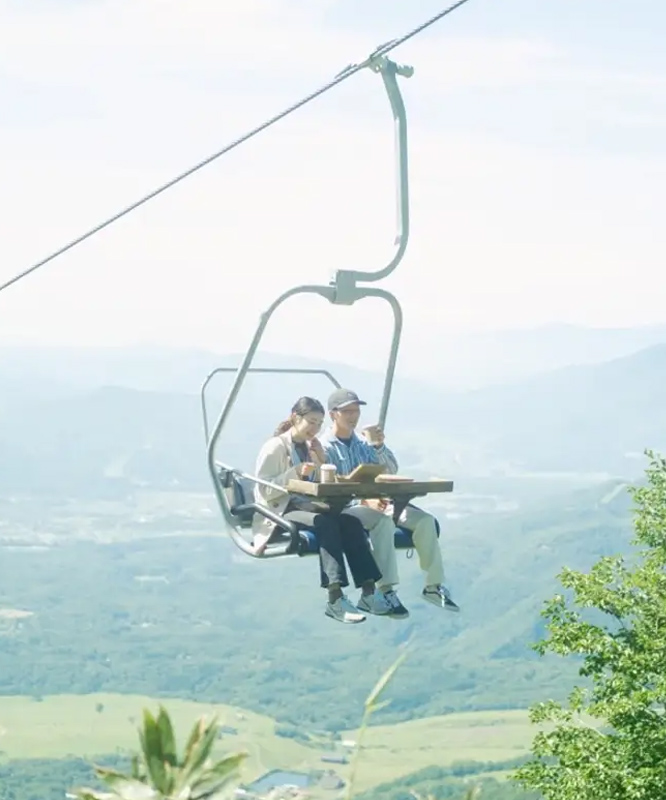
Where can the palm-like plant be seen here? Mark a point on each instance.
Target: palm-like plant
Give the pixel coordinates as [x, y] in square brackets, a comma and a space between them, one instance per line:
[160, 774]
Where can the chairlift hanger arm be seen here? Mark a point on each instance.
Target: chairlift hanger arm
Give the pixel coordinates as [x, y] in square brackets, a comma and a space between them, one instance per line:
[345, 280]
[392, 300]
[390, 71]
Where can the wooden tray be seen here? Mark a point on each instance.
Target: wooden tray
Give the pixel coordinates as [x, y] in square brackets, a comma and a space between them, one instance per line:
[369, 490]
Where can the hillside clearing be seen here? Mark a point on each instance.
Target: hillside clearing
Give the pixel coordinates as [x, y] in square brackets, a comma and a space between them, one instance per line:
[91, 725]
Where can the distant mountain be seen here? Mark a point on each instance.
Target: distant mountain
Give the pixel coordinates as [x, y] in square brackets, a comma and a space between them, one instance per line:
[466, 361]
[596, 418]
[476, 360]
[160, 369]
[582, 418]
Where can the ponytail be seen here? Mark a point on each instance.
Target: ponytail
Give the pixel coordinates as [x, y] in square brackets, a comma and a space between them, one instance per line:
[303, 406]
[283, 427]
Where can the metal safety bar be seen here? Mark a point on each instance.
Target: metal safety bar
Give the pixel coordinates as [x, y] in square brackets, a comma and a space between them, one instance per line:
[214, 465]
[225, 475]
[282, 370]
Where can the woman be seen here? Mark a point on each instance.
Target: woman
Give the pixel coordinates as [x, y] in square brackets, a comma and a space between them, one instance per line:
[295, 452]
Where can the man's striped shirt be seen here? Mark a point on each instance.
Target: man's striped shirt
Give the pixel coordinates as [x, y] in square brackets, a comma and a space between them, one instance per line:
[347, 457]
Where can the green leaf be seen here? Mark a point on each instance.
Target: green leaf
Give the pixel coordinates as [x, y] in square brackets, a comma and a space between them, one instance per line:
[383, 681]
[169, 753]
[89, 794]
[153, 753]
[199, 753]
[194, 737]
[217, 777]
[111, 777]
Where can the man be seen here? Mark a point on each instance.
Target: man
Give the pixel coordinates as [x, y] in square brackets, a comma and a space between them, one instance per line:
[345, 449]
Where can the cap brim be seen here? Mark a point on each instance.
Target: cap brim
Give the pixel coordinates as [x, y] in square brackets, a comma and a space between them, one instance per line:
[350, 403]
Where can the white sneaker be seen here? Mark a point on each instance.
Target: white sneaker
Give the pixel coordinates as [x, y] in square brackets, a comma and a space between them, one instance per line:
[375, 603]
[344, 611]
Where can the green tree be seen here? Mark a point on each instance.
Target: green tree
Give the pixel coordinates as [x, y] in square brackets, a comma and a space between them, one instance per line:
[609, 740]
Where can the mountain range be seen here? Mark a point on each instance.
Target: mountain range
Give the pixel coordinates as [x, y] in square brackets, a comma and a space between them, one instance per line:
[61, 428]
[461, 361]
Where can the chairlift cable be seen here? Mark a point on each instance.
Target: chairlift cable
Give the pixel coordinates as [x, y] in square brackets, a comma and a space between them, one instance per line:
[350, 70]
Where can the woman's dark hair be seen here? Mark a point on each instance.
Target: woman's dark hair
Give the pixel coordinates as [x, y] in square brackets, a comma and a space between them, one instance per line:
[303, 406]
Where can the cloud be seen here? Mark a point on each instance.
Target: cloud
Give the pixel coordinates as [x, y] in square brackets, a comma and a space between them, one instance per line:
[116, 97]
[115, 47]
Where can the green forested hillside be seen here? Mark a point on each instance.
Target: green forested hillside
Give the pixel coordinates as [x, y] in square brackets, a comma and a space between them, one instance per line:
[186, 615]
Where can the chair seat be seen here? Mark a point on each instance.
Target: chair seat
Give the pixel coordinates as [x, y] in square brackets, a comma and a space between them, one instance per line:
[243, 493]
[403, 541]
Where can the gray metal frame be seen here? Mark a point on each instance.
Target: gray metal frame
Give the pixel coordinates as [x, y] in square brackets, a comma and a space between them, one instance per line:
[283, 370]
[342, 290]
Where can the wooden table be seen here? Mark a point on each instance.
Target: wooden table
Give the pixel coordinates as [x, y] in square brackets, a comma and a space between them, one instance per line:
[337, 495]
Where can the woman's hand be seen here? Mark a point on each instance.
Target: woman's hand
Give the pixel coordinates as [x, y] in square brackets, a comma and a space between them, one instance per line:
[317, 451]
[306, 469]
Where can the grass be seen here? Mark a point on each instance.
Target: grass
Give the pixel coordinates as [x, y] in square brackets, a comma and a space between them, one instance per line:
[69, 725]
[391, 751]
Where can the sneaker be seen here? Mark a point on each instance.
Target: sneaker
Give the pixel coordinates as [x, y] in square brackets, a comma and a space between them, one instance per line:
[440, 596]
[344, 611]
[398, 611]
[374, 604]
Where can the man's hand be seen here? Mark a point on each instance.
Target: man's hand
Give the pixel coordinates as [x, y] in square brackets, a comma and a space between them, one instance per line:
[374, 435]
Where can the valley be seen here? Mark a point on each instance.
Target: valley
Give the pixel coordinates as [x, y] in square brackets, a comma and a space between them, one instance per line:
[89, 725]
[119, 588]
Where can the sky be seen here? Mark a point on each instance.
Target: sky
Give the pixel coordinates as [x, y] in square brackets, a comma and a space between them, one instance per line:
[537, 170]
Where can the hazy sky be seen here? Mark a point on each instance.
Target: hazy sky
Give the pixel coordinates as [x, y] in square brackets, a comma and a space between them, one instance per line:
[538, 168]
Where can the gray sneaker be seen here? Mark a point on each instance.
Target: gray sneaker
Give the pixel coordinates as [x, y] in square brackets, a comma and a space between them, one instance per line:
[440, 596]
[374, 604]
[344, 611]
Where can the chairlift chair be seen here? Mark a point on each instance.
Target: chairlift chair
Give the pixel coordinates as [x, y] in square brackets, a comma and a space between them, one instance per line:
[234, 487]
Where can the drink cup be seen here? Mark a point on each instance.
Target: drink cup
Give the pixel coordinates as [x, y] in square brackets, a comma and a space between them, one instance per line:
[371, 433]
[327, 473]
